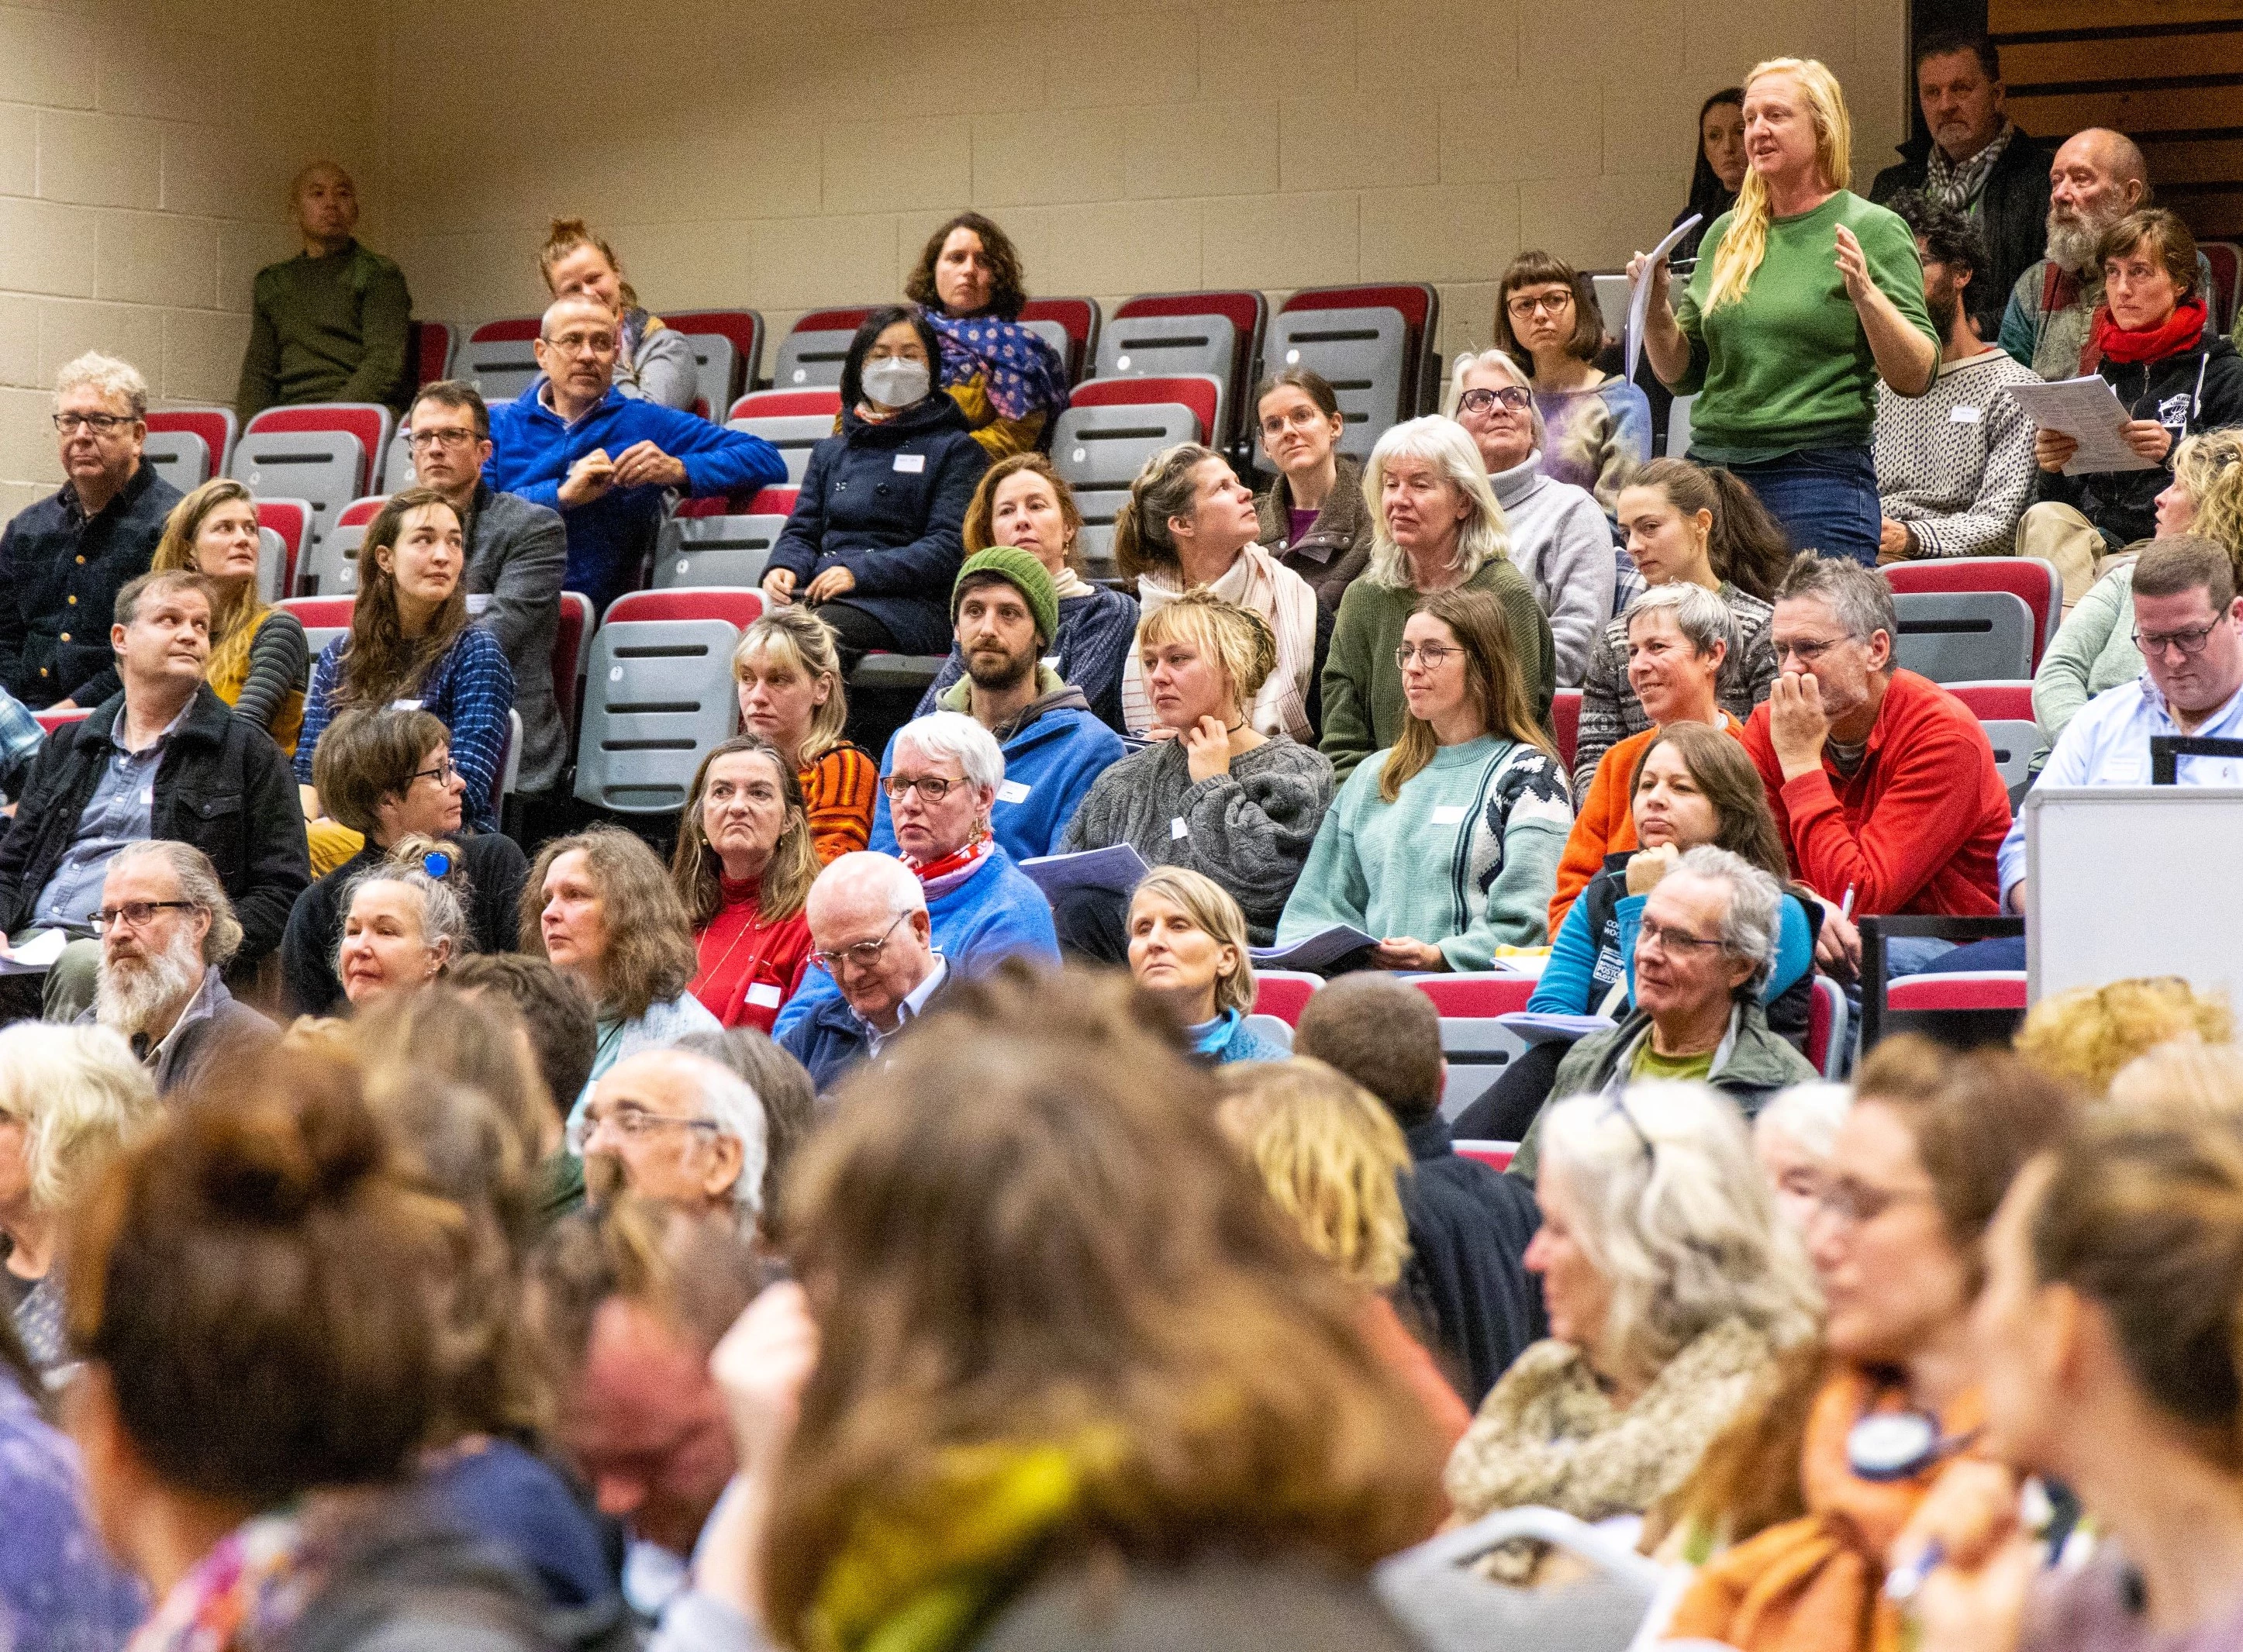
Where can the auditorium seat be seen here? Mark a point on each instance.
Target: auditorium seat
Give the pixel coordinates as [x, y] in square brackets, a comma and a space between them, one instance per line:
[50, 720]
[1497, 1155]
[2033, 582]
[728, 347]
[430, 345]
[1965, 636]
[2004, 710]
[793, 421]
[1565, 724]
[216, 426]
[814, 348]
[330, 569]
[1154, 347]
[572, 654]
[1474, 1041]
[1079, 320]
[707, 543]
[324, 618]
[497, 358]
[1110, 429]
[1376, 344]
[283, 530]
[2227, 260]
[1248, 315]
[659, 695]
[180, 457]
[1826, 1028]
[1285, 993]
[322, 452]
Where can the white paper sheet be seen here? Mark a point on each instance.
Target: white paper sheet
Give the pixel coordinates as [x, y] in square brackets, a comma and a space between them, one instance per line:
[2089, 411]
[1117, 867]
[1315, 953]
[36, 955]
[1638, 300]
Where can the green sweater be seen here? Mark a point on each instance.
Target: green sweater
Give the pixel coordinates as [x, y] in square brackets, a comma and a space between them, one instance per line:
[1362, 709]
[1465, 859]
[1788, 367]
[328, 329]
[2093, 650]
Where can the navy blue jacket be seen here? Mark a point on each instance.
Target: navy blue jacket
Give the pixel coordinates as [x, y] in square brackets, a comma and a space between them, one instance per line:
[887, 502]
[1469, 1228]
[831, 1041]
[60, 572]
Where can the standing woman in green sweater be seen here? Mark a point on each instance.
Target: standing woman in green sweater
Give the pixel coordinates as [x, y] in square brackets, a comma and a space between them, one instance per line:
[1804, 296]
[1443, 844]
[1439, 529]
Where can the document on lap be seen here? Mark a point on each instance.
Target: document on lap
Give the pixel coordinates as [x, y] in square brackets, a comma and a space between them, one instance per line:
[2089, 411]
[1117, 869]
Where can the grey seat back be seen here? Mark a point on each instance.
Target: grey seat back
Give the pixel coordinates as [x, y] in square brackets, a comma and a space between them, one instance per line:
[319, 467]
[793, 433]
[1965, 636]
[812, 358]
[659, 695]
[181, 457]
[715, 550]
[717, 361]
[1365, 355]
[501, 368]
[1106, 447]
[330, 568]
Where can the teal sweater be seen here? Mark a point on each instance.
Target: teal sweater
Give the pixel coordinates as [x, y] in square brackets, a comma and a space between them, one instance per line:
[1465, 859]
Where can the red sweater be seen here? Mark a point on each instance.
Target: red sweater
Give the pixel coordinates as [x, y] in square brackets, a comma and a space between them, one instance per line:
[1916, 826]
[749, 967]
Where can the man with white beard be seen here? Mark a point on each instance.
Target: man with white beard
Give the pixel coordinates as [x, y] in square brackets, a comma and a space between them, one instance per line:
[167, 930]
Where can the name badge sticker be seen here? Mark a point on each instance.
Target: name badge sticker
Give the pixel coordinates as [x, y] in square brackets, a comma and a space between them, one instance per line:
[1966, 415]
[765, 994]
[1177, 830]
[1449, 814]
[1012, 792]
[911, 463]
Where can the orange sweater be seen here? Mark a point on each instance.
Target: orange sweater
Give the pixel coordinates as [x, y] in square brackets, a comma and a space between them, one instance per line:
[840, 787]
[1605, 823]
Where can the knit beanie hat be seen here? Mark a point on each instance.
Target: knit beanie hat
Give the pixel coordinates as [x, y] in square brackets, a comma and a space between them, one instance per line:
[1018, 568]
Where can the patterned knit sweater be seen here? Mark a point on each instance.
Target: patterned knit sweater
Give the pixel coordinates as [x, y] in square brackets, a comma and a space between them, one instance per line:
[1610, 711]
[1957, 464]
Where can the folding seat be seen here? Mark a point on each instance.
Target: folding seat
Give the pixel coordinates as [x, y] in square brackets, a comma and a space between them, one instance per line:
[659, 695]
[812, 351]
[1965, 636]
[1248, 315]
[1826, 1028]
[1160, 345]
[330, 568]
[324, 618]
[1419, 306]
[1069, 326]
[497, 358]
[572, 654]
[728, 346]
[2227, 260]
[2033, 582]
[430, 346]
[283, 528]
[322, 452]
[2004, 710]
[1110, 429]
[1476, 1044]
[706, 543]
[1565, 724]
[794, 421]
[1284, 993]
[1364, 352]
[216, 426]
[181, 457]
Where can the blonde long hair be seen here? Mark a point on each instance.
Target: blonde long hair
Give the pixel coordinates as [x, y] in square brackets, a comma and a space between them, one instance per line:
[2209, 465]
[1745, 242]
[235, 615]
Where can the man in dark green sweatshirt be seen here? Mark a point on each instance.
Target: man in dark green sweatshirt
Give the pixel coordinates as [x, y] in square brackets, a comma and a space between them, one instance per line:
[332, 324]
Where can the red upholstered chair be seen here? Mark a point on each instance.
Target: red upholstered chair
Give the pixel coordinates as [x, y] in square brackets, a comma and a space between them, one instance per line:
[741, 608]
[1197, 392]
[2032, 581]
[1285, 993]
[1476, 995]
[1566, 719]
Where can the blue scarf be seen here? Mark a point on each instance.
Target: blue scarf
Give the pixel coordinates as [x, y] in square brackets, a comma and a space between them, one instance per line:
[1019, 372]
[1211, 1039]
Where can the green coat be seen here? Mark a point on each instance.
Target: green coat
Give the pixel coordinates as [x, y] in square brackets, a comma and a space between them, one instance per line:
[328, 329]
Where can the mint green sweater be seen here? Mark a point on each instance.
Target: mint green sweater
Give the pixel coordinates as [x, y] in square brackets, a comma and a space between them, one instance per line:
[1465, 859]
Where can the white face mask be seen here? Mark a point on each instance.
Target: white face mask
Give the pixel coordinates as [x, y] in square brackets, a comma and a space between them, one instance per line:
[894, 383]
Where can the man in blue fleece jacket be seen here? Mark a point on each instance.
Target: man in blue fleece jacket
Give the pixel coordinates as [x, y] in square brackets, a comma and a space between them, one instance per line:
[572, 443]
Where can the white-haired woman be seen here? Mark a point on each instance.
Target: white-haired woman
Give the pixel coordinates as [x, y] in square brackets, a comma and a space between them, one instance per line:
[1793, 1139]
[404, 924]
[1439, 529]
[1672, 1286]
[1189, 522]
[1560, 538]
[1804, 297]
[70, 1097]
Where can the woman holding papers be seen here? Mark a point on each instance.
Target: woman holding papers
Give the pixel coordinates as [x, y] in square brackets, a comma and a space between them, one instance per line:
[1444, 843]
[2151, 341]
[1804, 296]
[1221, 797]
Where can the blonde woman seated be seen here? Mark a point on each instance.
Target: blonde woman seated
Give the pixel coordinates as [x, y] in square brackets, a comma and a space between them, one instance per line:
[1447, 845]
[404, 924]
[2085, 1035]
[654, 362]
[1332, 1157]
[1188, 948]
[1672, 1285]
[258, 655]
[789, 672]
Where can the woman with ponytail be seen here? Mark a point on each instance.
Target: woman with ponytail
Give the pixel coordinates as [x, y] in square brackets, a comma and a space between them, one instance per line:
[1804, 296]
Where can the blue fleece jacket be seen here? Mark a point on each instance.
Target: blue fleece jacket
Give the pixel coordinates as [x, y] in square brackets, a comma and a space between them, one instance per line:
[994, 914]
[1050, 762]
[611, 538]
[1583, 967]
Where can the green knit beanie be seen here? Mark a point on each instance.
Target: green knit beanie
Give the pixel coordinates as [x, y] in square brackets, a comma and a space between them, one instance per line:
[1021, 569]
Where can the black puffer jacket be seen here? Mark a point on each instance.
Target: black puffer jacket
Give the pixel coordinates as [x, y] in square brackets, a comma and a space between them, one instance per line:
[2201, 388]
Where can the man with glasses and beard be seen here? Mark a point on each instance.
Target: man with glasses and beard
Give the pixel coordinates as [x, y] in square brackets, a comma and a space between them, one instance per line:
[1955, 467]
[167, 930]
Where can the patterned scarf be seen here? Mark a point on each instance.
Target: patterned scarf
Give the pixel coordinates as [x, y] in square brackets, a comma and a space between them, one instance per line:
[940, 877]
[243, 1593]
[1257, 581]
[1947, 182]
[1017, 368]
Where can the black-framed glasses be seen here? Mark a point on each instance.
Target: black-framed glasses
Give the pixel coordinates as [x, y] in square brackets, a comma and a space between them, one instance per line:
[629, 1123]
[441, 774]
[932, 788]
[1434, 656]
[1549, 303]
[1620, 1106]
[2191, 642]
[100, 423]
[863, 954]
[1483, 400]
[1658, 934]
[134, 914]
[451, 440]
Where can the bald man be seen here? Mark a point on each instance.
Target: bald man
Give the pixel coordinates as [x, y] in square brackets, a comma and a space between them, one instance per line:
[330, 324]
[573, 443]
[868, 920]
[2098, 177]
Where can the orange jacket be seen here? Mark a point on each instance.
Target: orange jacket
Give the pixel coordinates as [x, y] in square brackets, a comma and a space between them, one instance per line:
[1604, 824]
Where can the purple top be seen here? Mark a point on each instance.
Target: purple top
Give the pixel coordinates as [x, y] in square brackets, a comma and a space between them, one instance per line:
[1303, 521]
[58, 1589]
[2092, 1610]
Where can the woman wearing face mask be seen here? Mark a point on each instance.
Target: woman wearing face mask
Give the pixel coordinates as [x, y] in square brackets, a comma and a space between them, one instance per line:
[1314, 520]
[744, 867]
[402, 929]
[257, 653]
[410, 646]
[1022, 504]
[873, 545]
[1005, 380]
[1549, 323]
[654, 362]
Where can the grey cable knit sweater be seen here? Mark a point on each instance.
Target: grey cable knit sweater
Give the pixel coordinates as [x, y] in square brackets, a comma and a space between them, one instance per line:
[1248, 830]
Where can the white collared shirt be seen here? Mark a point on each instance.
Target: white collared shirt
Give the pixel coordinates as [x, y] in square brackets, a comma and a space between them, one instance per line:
[907, 1011]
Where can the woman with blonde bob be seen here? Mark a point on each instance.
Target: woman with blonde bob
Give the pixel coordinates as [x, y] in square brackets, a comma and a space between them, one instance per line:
[1673, 1286]
[789, 672]
[1249, 803]
[1189, 522]
[259, 654]
[1439, 529]
[1188, 948]
[1805, 296]
[1333, 1158]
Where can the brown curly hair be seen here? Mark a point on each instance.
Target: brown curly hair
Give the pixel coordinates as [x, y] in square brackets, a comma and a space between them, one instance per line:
[1009, 288]
[651, 956]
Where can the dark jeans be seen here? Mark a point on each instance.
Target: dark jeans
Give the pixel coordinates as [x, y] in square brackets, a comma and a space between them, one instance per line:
[1506, 1108]
[1825, 497]
[857, 633]
[2003, 952]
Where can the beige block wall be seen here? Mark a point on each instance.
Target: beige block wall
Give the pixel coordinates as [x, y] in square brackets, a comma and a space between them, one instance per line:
[145, 147]
[785, 158]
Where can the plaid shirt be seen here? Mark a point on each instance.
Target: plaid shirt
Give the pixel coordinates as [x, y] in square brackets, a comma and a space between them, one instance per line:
[469, 690]
[20, 740]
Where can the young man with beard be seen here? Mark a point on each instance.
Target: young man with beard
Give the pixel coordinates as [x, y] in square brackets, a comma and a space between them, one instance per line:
[1005, 612]
[167, 930]
[1955, 467]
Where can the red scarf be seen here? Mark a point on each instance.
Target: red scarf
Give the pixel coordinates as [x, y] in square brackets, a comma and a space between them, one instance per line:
[2108, 341]
[940, 877]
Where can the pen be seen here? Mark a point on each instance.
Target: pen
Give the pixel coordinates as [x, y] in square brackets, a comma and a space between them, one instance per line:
[1905, 1583]
[1845, 906]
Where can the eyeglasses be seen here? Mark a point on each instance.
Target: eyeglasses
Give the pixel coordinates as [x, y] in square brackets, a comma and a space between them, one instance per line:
[2191, 642]
[1511, 395]
[630, 1123]
[932, 788]
[583, 343]
[452, 440]
[442, 774]
[863, 954]
[1653, 933]
[1303, 416]
[1805, 650]
[135, 914]
[1620, 1106]
[100, 423]
[1548, 303]
[1857, 1203]
[1433, 656]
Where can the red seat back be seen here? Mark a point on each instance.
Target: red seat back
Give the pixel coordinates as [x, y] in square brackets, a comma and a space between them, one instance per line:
[430, 348]
[572, 645]
[1476, 995]
[772, 502]
[287, 518]
[1496, 1155]
[361, 510]
[1986, 989]
[52, 720]
[1996, 701]
[1284, 993]
[512, 329]
[841, 321]
[787, 404]
[369, 424]
[319, 613]
[742, 607]
[1565, 721]
[1079, 317]
[2226, 261]
[2032, 581]
[1197, 394]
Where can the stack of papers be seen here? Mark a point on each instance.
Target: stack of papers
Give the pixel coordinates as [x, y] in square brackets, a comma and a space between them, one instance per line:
[2089, 411]
[38, 954]
[1116, 869]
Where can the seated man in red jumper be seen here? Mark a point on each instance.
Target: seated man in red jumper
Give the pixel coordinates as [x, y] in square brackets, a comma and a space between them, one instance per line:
[1882, 782]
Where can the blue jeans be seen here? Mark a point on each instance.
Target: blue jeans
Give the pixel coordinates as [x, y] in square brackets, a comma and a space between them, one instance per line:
[1825, 497]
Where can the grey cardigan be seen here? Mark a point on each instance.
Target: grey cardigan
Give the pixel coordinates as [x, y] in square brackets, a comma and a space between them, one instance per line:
[1248, 830]
[517, 556]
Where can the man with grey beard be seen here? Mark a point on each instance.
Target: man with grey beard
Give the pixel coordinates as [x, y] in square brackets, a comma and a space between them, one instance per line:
[2098, 177]
[166, 931]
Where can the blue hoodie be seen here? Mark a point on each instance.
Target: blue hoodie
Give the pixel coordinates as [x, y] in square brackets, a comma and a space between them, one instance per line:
[1057, 748]
[993, 915]
[610, 539]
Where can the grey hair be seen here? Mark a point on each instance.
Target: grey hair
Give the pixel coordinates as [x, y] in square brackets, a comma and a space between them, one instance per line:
[1484, 536]
[1495, 362]
[443, 916]
[1675, 1215]
[1808, 1114]
[198, 881]
[1751, 926]
[953, 734]
[118, 380]
[729, 1102]
[883, 874]
[1699, 614]
[1858, 596]
[79, 1095]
